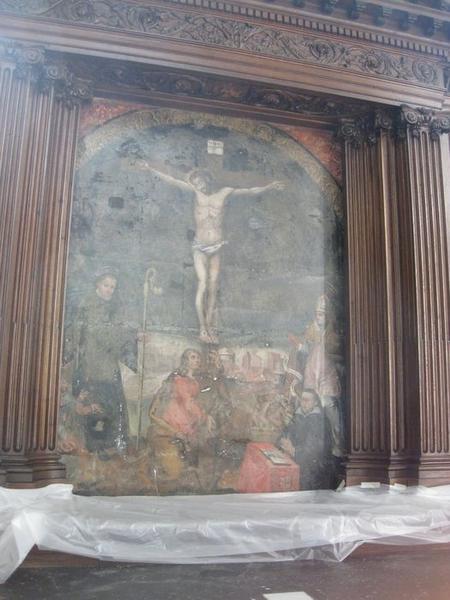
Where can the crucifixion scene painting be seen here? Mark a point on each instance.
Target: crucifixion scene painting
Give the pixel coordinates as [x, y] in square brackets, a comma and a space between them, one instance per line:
[204, 320]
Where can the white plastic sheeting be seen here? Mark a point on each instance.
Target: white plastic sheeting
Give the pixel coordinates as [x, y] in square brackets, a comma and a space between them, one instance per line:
[224, 528]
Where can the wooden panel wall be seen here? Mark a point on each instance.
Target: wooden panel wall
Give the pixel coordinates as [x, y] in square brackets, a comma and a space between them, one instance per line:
[396, 163]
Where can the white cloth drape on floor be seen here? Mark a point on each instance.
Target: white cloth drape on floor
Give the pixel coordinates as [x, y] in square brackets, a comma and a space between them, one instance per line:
[220, 528]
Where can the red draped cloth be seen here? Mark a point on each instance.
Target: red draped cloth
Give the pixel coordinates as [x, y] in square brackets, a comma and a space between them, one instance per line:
[183, 413]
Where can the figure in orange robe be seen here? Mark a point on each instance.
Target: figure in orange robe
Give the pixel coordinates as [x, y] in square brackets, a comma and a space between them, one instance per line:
[183, 413]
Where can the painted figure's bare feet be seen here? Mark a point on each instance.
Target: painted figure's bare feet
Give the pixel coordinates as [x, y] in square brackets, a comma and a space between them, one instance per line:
[204, 336]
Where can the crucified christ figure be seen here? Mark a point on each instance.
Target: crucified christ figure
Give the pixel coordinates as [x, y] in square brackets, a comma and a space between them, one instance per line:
[208, 240]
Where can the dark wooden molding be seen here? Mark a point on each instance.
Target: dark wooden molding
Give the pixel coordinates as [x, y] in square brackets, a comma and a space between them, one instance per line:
[147, 83]
[234, 32]
[242, 49]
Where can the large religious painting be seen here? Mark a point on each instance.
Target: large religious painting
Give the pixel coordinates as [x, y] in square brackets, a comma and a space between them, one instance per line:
[204, 321]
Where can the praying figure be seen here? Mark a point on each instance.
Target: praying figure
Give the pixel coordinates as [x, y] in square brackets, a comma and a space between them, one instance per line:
[208, 240]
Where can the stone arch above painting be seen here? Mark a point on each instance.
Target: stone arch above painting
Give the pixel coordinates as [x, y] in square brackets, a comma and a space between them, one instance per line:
[204, 309]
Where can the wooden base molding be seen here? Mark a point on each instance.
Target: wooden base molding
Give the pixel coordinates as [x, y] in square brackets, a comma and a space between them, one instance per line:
[387, 470]
[360, 468]
[2, 475]
[434, 470]
[33, 471]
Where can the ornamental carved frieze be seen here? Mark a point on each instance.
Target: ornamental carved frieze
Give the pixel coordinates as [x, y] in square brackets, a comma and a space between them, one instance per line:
[340, 17]
[110, 75]
[46, 74]
[235, 33]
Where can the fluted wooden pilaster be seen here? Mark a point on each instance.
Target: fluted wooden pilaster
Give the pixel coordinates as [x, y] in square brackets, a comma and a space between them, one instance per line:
[425, 158]
[399, 320]
[382, 413]
[400, 267]
[368, 345]
[38, 133]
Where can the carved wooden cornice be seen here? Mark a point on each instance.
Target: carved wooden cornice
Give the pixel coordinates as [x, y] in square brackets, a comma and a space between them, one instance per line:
[76, 79]
[399, 23]
[34, 62]
[396, 121]
[251, 28]
[144, 82]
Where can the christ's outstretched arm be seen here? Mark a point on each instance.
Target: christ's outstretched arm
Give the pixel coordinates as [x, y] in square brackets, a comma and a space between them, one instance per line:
[179, 183]
[254, 191]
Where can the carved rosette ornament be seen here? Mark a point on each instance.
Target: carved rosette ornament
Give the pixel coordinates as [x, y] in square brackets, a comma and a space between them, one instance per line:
[33, 62]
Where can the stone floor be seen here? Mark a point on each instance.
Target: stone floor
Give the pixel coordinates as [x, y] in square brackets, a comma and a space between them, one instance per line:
[422, 575]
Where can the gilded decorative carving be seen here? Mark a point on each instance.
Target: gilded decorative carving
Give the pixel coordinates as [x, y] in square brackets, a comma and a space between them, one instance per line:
[235, 34]
[33, 62]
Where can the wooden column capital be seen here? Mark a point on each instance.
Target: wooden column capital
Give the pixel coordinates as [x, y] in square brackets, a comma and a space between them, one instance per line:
[46, 72]
[417, 120]
[397, 121]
